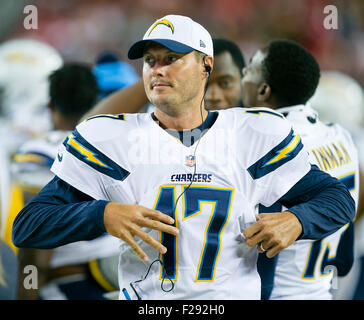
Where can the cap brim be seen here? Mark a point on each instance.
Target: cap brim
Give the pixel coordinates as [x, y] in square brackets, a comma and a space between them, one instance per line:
[136, 51]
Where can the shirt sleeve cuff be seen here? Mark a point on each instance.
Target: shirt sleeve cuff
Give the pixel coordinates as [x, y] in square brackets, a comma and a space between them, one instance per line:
[100, 210]
[297, 212]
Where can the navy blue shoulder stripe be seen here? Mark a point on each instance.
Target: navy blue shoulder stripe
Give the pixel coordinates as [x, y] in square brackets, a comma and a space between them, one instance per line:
[278, 156]
[110, 116]
[348, 180]
[84, 151]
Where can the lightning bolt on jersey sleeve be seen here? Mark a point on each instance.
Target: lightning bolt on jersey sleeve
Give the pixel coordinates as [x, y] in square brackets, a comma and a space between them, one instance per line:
[281, 171]
[80, 160]
[277, 158]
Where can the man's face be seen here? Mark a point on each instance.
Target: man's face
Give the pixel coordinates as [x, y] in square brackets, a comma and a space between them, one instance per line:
[170, 78]
[252, 79]
[224, 87]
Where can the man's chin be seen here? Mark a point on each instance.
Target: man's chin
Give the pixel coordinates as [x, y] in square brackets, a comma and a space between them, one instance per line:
[160, 101]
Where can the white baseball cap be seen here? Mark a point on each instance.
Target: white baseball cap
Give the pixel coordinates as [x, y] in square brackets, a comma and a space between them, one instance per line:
[177, 33]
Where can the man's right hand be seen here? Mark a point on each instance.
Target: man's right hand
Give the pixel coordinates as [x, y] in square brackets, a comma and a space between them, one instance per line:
[125, 221]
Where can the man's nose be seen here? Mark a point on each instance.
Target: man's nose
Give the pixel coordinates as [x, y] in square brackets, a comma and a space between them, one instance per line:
[159, 69]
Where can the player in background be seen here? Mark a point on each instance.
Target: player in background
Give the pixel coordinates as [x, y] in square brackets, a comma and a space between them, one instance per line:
[340, 99]
[25, 65]
[223, 90]
[224, 86]
[207, 256]
[72, 91]
[283, 76]
[74, 271]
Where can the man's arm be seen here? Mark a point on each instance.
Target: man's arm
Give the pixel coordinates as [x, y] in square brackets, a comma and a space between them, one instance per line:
[58, 215]
[127, 100]
[318, 206]
[61, 214]
[322, 204]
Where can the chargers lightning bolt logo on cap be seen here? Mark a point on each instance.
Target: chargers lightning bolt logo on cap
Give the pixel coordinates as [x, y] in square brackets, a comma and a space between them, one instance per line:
[164, 22]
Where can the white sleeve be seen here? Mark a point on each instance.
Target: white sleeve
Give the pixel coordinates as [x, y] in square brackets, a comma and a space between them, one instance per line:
[84, 166]
[78, 174]
[280, 159]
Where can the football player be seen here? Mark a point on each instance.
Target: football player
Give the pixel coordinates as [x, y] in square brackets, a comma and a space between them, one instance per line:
[25, 65]
[224, 86]
[185, 182]
[70, 271]
[283, 76]
[340, 99]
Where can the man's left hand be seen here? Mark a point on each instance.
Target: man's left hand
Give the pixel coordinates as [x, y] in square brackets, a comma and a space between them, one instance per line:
[273, 232]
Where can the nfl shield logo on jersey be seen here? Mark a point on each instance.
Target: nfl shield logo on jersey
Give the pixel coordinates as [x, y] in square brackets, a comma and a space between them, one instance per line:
[190, 160]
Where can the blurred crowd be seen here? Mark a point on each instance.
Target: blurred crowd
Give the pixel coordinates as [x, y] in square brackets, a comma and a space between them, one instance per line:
[81, 29]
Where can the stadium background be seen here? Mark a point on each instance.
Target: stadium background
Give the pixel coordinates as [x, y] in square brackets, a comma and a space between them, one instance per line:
[81, 29]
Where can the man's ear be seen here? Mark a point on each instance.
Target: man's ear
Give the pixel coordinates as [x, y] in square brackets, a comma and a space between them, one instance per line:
[264, 92]
[208, 63]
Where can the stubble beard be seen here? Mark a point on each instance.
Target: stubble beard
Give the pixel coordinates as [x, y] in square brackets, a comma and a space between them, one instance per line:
[172, 104]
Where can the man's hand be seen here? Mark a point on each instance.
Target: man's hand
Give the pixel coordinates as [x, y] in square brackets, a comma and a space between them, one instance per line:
[273, 232]
[125, 221]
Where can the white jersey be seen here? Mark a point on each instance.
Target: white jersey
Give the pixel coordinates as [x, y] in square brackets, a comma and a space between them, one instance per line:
[247, 157]
[31, 170]
[300, 272]
[31, 164]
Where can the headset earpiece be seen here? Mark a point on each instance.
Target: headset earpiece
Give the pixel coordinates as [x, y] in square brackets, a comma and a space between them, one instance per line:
[207, 68]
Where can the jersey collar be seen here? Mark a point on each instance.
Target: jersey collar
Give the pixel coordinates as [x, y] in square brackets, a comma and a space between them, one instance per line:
[189, 137]
[298, 107]
[301, 112]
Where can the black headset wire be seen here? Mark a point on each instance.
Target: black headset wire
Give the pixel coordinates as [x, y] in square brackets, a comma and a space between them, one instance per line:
[208, 70]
